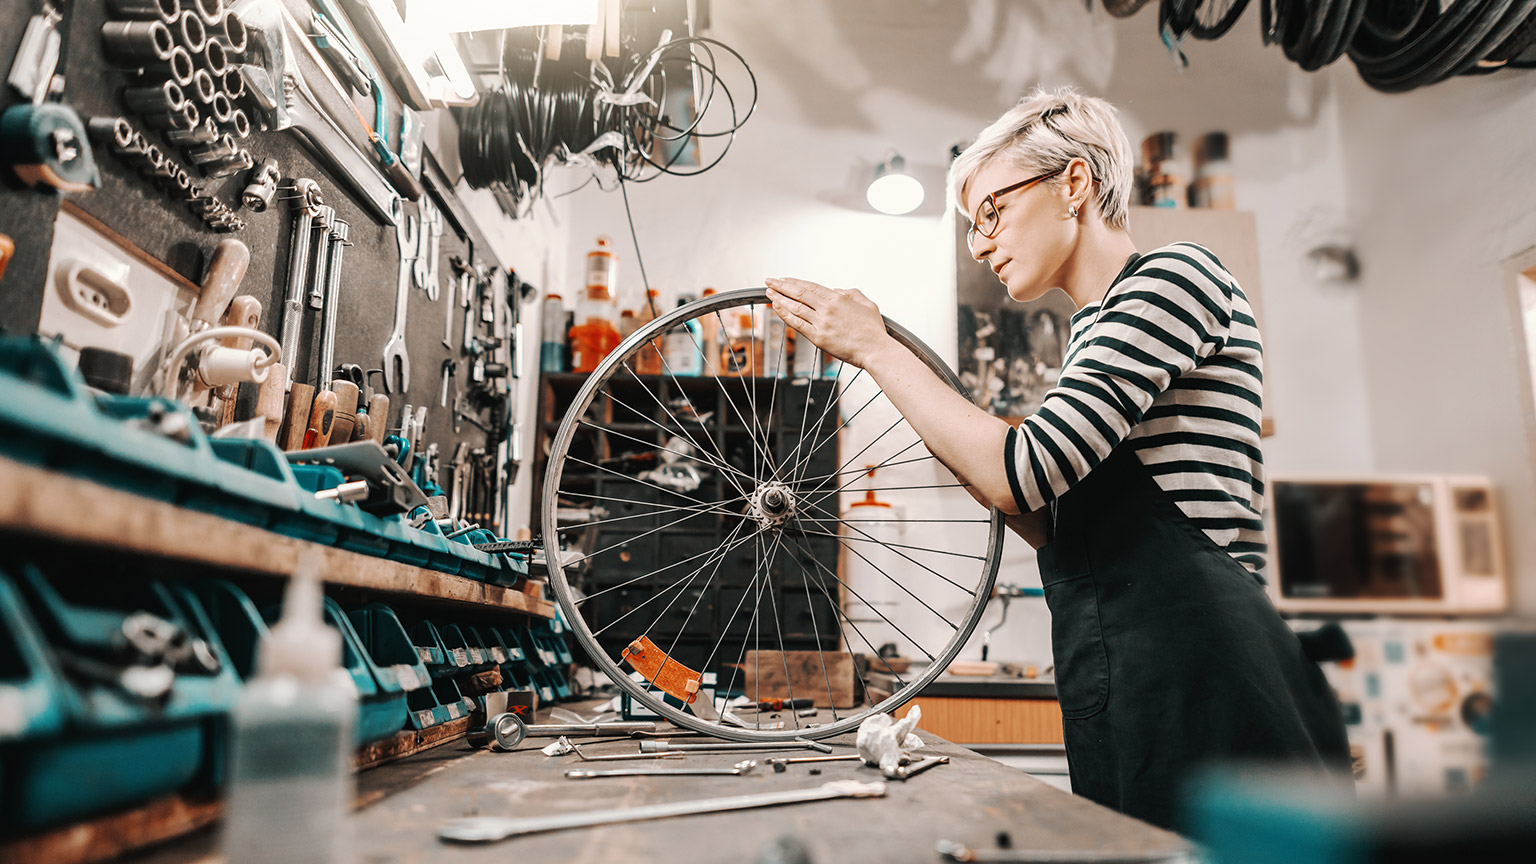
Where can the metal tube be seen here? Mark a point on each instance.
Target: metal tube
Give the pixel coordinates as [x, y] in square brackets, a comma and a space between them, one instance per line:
[137, 40]
[298, 267]
[233, 83]
[164, 97]
[203, 88]
[178, 67]
[231, 32]
[322, 252]
[144, 10]
[339, 233]
[190, 31]
[223, 109]
[731, 747]
[240, 123]
[202, 133]
[209, 10]
[214, 59]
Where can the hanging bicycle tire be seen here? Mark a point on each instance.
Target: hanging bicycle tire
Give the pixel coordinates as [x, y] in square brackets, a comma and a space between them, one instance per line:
[740, 583]
[1124, 8]
[1215, 18]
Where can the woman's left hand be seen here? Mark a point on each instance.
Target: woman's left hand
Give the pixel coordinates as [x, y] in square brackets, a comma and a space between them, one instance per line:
[844, 324]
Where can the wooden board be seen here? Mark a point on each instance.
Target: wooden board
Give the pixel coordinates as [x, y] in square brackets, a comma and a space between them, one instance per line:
[763, 675]
[62, 507]
[975, 720]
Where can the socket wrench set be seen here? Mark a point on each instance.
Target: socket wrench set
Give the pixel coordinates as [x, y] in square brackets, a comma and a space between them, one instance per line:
[185, 80]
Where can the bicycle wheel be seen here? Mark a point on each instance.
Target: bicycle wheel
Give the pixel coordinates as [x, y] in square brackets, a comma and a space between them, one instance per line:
[749, 559]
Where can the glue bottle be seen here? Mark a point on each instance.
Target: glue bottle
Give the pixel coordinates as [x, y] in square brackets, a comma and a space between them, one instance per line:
[290, 772]
[552, 347]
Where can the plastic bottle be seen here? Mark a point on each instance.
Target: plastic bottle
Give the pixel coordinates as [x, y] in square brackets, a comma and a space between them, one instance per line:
[776, 346]
[596, 333]
[648, 361]
[1213, 185]
[711, 336]
[1167, 175]
[552, 347]
[290, 773]
[683, 345]
[741, 352]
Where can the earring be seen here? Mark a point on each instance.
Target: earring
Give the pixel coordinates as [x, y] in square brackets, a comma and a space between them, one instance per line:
[1072, 214]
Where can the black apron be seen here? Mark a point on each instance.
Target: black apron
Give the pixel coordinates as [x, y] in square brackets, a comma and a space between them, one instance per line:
[1168, 652]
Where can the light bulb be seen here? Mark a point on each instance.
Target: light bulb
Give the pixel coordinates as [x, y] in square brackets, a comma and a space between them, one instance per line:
[894, 192]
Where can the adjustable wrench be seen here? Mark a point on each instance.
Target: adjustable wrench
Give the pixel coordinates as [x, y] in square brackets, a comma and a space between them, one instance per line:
[307, 202]
[397, 362]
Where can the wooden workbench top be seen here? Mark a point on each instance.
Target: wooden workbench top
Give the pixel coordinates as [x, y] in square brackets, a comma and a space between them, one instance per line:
[969, 800]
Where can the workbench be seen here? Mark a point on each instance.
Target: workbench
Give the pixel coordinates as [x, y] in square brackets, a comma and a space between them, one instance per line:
[969, 800]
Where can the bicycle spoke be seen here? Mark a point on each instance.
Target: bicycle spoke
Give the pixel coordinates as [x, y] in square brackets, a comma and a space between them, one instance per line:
[626, 405]
[805, 461]
[891, 545]
[866, 470]
[751, 426]
[894, 581]
[778, 623]
[723, 549]
[580, 461]
[903, 555]
[861, 599]
[825, 410]
[673, 647]
[699, 457]
[815, 630]
[684, 429]
[630, 539]
[695, 509]
[837, 607]
[660, 569]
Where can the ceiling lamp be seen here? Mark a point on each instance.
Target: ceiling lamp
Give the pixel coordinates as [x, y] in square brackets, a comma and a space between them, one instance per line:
[893, 190]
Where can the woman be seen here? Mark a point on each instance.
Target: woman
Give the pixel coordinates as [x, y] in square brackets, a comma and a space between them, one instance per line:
[1140, 479]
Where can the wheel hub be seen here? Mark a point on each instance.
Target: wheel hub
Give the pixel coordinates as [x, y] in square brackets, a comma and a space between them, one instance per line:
[772, 504]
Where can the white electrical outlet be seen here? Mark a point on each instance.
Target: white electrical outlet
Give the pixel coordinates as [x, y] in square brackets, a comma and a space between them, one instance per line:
[100, 295]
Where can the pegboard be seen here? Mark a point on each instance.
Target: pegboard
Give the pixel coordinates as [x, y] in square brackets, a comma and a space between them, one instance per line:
[166, 230]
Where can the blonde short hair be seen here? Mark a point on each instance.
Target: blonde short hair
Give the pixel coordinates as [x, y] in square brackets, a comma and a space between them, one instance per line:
[1047, 130]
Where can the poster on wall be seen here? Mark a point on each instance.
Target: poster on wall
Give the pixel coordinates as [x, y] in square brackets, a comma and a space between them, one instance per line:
[1010, 352]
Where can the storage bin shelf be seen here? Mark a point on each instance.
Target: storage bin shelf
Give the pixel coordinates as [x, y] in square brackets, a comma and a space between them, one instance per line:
[49, 504]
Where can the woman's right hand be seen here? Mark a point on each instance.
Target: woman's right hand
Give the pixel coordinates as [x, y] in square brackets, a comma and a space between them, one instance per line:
[844, 324]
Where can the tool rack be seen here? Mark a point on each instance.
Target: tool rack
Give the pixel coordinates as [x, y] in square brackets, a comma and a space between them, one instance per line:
[206, 525]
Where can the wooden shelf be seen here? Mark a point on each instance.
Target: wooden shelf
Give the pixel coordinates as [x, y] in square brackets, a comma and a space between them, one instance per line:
[172, 816]
[46, 503]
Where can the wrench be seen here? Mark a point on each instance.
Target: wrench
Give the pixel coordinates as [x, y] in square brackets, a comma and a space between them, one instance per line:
[307, 202]
[397, 362]
[489, 829]
[325, 225]
[340, 230]
[434, 254]
[421, 269]
[588, 773]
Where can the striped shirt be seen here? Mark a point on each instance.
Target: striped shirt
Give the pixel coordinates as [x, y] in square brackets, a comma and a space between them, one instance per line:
[1170, 361]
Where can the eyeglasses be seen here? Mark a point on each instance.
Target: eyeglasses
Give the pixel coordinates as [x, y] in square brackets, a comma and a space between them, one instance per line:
[987, 221]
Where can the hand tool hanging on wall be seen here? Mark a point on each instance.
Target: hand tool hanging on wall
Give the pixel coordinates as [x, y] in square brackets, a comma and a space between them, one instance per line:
[307, 201]
[397, 360]
[44, 142]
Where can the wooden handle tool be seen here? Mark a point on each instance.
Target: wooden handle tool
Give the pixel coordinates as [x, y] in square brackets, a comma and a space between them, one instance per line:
[322, 419]
[300, 399]
[244, 311]
[378, 417]
[225, 273]
[269, 400]
[346, 410]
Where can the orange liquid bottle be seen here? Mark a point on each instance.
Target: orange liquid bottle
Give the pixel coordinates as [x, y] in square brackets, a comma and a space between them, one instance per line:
[648, 361]
[596, 333]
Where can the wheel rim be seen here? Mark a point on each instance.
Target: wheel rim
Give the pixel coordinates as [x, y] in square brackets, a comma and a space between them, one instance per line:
[777, 508]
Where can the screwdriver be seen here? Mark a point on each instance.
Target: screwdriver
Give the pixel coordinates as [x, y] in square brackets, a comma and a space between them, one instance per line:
[782, 704]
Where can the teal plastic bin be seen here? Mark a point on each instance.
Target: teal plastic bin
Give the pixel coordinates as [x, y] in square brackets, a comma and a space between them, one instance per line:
[115, 749]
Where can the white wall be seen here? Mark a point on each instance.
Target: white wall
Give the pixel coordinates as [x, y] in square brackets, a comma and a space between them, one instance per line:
[1442, 182]
[843, 82]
